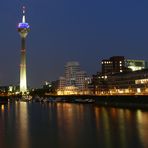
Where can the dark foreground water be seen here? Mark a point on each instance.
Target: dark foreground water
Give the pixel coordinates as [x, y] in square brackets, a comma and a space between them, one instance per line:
[63, 125]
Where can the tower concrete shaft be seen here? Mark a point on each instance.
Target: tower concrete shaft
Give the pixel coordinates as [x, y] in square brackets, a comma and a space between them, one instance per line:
[23, 76]
[23, 29]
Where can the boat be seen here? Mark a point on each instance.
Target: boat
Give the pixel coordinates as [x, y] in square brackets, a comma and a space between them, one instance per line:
[84, 100]
[37, 98]
[45, 100]
[26, 98]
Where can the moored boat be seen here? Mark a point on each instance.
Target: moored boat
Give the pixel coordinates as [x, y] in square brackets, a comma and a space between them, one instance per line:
[84, 100]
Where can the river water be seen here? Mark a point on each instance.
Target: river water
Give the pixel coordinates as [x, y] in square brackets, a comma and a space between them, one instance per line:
[65, 125]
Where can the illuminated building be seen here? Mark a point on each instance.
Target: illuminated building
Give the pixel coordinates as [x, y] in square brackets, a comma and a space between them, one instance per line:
[71, 68]
[120, 73]
[129, 82]
[62, 82]
[135, 64]
[113, 65]
[81, 80]
[99, 83]
[68, 90]
[133, 80]
[74, 78]
[117, 64]
[23, 29]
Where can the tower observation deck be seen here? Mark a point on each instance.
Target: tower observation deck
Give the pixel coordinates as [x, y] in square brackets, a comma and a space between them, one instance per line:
[23, 29]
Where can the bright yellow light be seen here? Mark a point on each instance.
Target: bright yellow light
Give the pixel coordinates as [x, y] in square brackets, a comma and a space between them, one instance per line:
[68, 90]
[2, 108]
[138, 90]
[141, 81]
[134, 68]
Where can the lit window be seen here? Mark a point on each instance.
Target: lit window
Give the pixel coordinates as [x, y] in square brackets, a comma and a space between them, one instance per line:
[138, 90]
[105, 77]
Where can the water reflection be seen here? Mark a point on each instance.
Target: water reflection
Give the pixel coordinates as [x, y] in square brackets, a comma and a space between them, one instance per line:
[65, 123]
[142, 125]
[22, 124]
[122, 127]
[25, 125]
[119, 129]
[2, 108]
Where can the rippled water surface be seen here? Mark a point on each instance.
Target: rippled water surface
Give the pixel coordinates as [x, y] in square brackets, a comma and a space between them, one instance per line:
[63, 125]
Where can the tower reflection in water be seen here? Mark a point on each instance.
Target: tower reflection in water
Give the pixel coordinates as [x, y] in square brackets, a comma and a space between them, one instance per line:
[2, 136]
[22, 136]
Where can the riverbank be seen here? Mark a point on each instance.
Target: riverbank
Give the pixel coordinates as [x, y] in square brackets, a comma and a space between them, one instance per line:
[120, 101]
[130, 101]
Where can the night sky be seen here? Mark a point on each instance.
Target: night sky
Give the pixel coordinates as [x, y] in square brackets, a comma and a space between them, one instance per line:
[64, 30]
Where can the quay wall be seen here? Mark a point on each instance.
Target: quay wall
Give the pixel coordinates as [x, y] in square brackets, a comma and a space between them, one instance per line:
[121, 101]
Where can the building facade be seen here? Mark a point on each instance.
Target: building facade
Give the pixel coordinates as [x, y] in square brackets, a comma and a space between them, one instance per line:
[115, 64]
[74, 80]
[71, 69]
[130, 82]
[119, 74]
[135, 64]
[81, 80]
[62, 82]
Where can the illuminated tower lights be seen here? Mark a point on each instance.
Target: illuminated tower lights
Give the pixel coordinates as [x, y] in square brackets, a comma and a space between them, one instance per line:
[23, 29]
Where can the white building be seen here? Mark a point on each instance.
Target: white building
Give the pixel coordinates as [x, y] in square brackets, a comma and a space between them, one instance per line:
[71, 68]
[74, 78]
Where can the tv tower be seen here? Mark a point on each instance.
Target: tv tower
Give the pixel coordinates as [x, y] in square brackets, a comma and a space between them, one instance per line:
[23, 29]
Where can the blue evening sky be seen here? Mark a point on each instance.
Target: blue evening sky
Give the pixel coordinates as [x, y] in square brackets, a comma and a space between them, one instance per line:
[64, 30]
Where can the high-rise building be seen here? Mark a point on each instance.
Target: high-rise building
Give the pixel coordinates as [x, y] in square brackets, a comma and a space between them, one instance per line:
[71, 68]
[23, 29]
[74, 77]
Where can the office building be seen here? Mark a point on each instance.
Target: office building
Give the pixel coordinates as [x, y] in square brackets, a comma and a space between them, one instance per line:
[115, 64]
[135, 64]
[71, 69]
[74, 79]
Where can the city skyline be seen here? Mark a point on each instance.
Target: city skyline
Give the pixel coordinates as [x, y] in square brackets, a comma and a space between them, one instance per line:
[66, 31]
